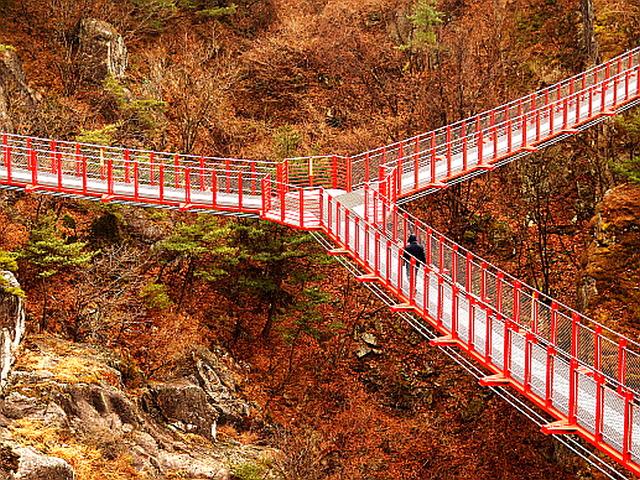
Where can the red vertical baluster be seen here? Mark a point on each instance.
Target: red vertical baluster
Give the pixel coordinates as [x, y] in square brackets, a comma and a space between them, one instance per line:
[433, 157]
[603, 96]
[187, 185]
[599, 413]
[517, 287]
[52, 148]
[152, 173]
[301, 212]
[400, 166]
[34, 168]
[416, 164]
[551, 352]
[136, 180]
[440, 298]
[528, 347]
[253, 178]
[334, 172]
[506, 349]
[448, 140]
[488, 337]
[425, 291]
[454, 264]
[127, 162]
[84, 176]
[454, 310]
[176, 171]
[552, 112]
[463, 134]
[483, 282]
[227, 172]
[214, 189]
[553, 334]
[59, 170]
[161, 182]
[202, 179]
[349, 185]
[622, 363]
[499, 284]
[367, 170]
[241, 192]
[471, 301]
[627, 442]
[76, 160]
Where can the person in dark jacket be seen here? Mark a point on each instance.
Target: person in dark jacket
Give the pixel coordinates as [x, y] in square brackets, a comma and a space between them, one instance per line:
[413, 250]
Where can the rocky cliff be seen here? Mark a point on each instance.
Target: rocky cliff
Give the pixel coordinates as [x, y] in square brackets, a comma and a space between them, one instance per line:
[608, 286]
[66, 414]
[12, 323]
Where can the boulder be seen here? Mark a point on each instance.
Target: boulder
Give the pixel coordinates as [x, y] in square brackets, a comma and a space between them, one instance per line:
[101, 50]
[12, 323]
[183, 405]
[15, 94]
[32, 465]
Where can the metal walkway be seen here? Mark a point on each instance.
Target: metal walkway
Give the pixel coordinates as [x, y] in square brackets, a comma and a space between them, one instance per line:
[583, 375]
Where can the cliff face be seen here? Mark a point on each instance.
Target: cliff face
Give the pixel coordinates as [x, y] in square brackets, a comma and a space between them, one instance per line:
[608, 287]
[65, 414]
[12, 323]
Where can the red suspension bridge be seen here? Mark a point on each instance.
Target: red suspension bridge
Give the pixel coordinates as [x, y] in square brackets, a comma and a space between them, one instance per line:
[582, 375]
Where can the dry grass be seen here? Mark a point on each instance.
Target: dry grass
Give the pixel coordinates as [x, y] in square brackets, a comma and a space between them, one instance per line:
[69, 363]
[87, 461]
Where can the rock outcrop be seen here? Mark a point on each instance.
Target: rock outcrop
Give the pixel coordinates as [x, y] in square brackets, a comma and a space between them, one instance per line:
[67, 393]
[101, 50]
[12, 323]
[15, 94]
[608, 287]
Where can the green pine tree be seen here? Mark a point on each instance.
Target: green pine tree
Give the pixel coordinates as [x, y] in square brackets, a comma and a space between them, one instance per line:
[49, 254]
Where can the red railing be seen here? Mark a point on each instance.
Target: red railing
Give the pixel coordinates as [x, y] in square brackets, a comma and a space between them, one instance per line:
[577, 370]
[115, 174]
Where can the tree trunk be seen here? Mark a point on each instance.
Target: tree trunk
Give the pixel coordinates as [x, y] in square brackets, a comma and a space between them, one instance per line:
[271, 314]
[589, 42]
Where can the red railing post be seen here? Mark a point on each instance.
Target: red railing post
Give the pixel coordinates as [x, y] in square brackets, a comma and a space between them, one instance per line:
[349, 163]
[77, 160]
[471, 302]
[202, 179]
[416, 164]
[59, 170]
[84, 175]
[214, 188]
[152, 175]
[176, 171]
[240, 190]
[334, 172]
[455, 290]
[127, 161]
[136, 179]
[253, 178]
[599, 413]
[529, 340]
[448, 140]
[187, 185]
[553, 334]
[551, 352]
[161, 182]
[301, 212]
[627, 442]
[506, 349]
[440, 297]
[573, 391]
[622, 363]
